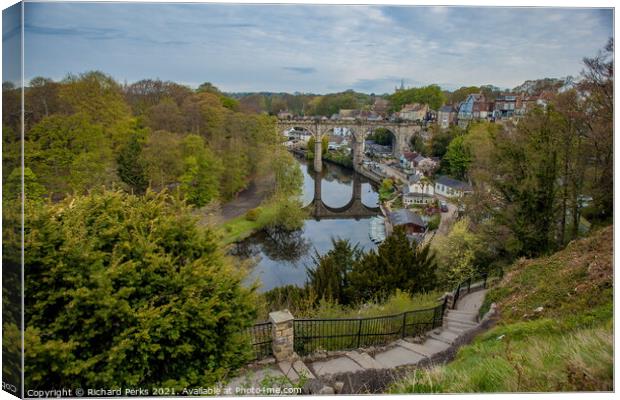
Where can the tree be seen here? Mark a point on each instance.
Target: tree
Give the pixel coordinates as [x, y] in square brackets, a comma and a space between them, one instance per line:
[131, 167]
[441, 139]
[458, 158]
[165, 116]
[33, 190]
[525, 180]
[163, 159]
[597, 86]
[127, 291]
[396, 264]
[200, 181]
[458, 254]
[431, 95]
[381, 136]
[329, 275]
[97, 96]
[417, 144]
[69, 153]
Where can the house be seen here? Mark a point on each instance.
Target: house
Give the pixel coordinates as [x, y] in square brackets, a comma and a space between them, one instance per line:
[413, 161]
[285, 115]
[413, 112]
[406, 159]
[417, 198]
[418, 183]
[474, 107]
[348, 114]
[449, 187]
[446, 116]
[413, 223]
[507, 105]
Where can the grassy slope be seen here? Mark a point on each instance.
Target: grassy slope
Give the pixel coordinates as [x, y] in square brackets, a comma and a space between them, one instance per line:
[566, 346]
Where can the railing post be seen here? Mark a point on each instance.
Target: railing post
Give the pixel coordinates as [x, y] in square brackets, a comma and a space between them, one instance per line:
[469, 285]
[456, 296]
[283, 335]
[402, 335]
[359, 334]
[484, 285]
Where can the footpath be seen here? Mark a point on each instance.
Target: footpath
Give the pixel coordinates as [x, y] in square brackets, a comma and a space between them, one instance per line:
[321, 376]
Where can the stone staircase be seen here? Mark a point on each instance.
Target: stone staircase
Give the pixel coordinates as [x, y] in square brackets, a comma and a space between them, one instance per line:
[457, 323]
[403, 352]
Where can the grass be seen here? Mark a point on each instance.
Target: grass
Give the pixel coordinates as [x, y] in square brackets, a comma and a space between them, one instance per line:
[241, 227]
[360, 332]
[554, 333]
[397, 303]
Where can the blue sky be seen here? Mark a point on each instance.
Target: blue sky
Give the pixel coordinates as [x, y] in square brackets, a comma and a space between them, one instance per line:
[310, 48]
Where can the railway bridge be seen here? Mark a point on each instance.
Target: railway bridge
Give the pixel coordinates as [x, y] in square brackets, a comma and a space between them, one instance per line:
[402, 132]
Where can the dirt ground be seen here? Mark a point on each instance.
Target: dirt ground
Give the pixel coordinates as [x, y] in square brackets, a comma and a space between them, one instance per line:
[247, 199]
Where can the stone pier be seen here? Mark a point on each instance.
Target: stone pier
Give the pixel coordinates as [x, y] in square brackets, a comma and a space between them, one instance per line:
[318, 155]
[283, 339]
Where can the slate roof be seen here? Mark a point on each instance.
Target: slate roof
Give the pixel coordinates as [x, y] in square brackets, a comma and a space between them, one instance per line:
[404, 216]
[454, 183]
[447, 109]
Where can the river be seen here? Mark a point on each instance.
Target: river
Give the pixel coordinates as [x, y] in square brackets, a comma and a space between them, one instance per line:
[282, 258]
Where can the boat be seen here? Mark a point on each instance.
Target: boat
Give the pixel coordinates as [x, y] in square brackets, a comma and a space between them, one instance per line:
[377, 230]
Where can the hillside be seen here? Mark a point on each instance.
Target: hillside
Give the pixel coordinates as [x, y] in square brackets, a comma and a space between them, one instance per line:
[554, 332]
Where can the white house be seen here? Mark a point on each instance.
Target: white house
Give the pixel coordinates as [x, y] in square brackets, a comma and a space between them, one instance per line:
[417, 183]
[418, 190]
[448, 187]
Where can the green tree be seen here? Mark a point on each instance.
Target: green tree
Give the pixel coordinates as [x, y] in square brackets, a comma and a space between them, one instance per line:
[382, 136]
[328, 278]
[458, 158]
[127, 291]
[201, 180]
[69, 153]
[431, 95]
[12, 189]
[396, 264]
[97, 96]
[130, 165]
[458, 254]
[525, 180]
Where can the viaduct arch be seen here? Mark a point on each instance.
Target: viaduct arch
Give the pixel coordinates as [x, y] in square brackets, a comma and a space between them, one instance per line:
[360, 128]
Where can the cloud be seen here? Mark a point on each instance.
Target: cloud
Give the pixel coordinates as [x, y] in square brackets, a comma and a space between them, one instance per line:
[301, 70]
[312, 48]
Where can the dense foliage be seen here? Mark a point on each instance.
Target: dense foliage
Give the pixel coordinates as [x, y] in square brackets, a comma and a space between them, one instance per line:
[126, 291]
[88, 131]
[431, 95]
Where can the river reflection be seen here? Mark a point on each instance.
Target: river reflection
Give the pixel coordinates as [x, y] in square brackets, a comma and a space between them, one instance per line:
[282, 257]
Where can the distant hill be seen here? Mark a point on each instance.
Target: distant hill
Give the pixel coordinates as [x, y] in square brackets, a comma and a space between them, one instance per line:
[536, 86]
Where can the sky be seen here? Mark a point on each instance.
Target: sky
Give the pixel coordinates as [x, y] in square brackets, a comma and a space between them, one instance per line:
[311, 48]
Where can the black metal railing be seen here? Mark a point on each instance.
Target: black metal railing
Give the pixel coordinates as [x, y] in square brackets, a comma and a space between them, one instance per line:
[465, 287]
[311, 335]
[261, 336]
[350, 333]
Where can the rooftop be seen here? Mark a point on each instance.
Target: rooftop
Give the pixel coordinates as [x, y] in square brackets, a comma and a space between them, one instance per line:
[454, 183]
[404, 217]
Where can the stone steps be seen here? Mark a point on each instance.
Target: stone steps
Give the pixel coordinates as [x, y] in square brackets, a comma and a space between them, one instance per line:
[364, 360]
[459, 322]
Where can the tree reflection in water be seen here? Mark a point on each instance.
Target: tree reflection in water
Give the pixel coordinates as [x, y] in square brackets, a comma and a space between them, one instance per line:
[277, 244]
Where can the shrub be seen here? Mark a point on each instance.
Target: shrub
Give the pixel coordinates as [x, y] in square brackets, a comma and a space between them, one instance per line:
[126, 291]
[253, 214]
[434, 222]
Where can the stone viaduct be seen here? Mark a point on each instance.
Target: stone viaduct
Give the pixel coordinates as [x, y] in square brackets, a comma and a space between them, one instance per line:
[359, 130]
